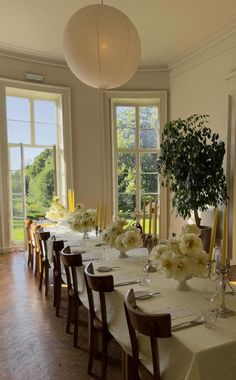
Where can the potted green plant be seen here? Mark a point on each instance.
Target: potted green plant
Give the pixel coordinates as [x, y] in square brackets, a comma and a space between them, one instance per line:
[191, 163]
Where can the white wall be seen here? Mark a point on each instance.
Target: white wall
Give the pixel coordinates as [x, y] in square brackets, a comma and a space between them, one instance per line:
[200, 86]
[86, 118]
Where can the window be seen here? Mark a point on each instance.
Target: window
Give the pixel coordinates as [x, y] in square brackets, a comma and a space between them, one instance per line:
[136, 133]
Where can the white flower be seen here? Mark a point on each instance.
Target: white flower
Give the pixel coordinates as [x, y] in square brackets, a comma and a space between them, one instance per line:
[119, 243]
[57, 211]
[157, 251]
[190, 244]
[132, 239]
[200, 264]
[183, 267]
[167, 261]
[82, 219]
[191, 229]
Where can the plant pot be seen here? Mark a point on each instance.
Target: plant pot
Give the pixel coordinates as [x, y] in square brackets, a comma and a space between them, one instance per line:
[205, 236]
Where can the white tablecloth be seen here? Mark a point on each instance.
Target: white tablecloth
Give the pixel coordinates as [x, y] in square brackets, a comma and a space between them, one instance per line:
[196, 353]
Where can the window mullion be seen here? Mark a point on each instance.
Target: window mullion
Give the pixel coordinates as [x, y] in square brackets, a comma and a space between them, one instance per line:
[32, 126]
[137, 155]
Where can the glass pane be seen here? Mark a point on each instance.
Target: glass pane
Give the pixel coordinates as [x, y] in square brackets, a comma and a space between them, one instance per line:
[148, 162]
[45, 134]
[125, 138]
[17, 206]
[126, 170]
[39, 178]
[45, 111]
[149, 183]
[125, 117]
[148, 138]
[16, 181]
[148, 117]
[15, 158]
[126, 205]
[18, 132]
[17, 229]
[18, 108]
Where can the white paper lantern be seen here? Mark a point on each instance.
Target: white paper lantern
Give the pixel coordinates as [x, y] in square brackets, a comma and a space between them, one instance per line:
[101, 46]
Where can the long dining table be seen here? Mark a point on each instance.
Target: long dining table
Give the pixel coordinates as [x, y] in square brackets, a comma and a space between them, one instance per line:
[193, 353]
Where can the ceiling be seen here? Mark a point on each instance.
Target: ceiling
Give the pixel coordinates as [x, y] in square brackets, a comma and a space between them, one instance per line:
[170, 30]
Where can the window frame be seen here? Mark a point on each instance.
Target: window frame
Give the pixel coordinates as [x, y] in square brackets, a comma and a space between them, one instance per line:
[64, 148]
[140, 98]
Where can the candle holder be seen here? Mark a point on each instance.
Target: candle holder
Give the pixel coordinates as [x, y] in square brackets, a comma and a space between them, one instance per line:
[149, 267]
[211, 270]
[224, 312]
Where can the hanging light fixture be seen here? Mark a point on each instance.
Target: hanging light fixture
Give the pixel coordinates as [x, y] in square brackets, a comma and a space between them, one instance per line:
[101, 46]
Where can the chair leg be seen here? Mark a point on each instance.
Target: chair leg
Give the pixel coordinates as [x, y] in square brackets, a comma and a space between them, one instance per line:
[36, 264]
[41, 276]
[104, 354]
[55, 291]
[68, 315]
[76, 323]
[46, 278]
[92, 344]
[58, 298]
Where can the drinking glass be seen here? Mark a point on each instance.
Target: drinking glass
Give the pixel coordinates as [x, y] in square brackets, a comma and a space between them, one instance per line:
[210, 292]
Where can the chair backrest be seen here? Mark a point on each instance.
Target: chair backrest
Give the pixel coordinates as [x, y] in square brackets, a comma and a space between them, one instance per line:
[58, 246]
[35, 228]
[71, 261]
[42, 238]
[152, 325]
[28, 222]
[100, 284]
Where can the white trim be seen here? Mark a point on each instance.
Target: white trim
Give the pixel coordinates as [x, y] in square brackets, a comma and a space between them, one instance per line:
[231, 176]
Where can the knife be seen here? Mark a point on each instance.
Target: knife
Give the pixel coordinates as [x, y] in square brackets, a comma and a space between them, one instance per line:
[186, 325]
[125, 283]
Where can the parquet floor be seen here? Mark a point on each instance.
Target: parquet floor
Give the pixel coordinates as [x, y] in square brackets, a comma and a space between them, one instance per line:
[33, 341]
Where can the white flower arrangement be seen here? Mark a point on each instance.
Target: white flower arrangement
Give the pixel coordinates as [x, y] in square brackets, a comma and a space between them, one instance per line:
[57, 212]
[82, 219]
[121, 236]
[182, 257]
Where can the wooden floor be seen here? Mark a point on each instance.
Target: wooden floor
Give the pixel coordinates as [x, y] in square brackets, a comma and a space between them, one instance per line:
[33, 341]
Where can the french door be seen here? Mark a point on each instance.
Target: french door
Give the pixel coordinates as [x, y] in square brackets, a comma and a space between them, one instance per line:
[32, 180]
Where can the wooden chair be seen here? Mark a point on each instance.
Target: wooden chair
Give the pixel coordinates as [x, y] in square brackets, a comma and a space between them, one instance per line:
[72, 261]
[35, 228]
[152, 325]
[44, 263]
[58, 245]
[100, 284]
[28, 222]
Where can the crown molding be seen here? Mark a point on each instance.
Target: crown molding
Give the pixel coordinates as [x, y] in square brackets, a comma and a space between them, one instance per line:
[209, 51]
[34, 56]
[214, 33]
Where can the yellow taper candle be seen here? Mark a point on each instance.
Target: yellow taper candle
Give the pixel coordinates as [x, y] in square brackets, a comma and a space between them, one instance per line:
[155, 220]
[144, 214]
[97, 215]
[213, 234]
[150, 217]
[105, 217]
[69, 200]
[101, 217]
[73, 200]
[224, 237]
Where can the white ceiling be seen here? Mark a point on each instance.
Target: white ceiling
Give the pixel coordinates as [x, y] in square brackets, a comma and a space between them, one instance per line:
[170, 30]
